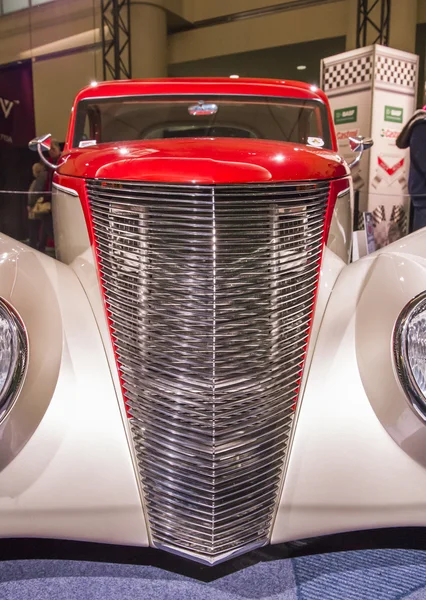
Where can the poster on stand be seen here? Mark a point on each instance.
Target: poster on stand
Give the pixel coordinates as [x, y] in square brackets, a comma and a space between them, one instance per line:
[370, 238]
[372, 92]
[346, 79]
[17, 120]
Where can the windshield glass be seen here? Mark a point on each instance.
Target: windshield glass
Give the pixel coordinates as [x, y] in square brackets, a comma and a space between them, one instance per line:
[145, 118]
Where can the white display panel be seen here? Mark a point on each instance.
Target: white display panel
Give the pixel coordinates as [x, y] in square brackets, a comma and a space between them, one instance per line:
[372, 92]
[352, 117]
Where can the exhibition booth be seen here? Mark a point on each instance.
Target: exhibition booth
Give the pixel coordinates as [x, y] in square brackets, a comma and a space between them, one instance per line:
[372, 92]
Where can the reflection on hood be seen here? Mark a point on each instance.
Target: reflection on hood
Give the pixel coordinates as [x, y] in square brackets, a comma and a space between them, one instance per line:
[403, 140]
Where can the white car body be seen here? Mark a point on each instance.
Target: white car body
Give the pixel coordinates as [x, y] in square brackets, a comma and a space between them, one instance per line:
[68, 468]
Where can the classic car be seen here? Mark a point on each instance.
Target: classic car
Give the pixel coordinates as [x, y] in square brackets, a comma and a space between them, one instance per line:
[200, 370]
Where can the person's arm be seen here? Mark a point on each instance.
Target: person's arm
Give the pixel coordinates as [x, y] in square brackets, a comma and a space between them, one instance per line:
[31, 195]
[37, 188]
[40, 182]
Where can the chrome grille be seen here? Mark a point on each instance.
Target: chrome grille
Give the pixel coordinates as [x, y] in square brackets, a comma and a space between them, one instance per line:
[210, 292]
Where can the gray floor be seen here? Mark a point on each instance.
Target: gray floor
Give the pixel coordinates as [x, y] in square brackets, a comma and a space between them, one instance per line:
[304, 571]
[364, 574]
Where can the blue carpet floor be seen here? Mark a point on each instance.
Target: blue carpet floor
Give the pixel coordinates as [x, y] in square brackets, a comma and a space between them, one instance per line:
[353, 575]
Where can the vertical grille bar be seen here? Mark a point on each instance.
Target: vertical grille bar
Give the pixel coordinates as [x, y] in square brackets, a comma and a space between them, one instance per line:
[210, 292]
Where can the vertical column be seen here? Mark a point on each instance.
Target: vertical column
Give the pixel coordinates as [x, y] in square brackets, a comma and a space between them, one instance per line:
[347, 80]
[403, 21]
[394, 98]
[351, 28]
[148, 39]
[403, 25]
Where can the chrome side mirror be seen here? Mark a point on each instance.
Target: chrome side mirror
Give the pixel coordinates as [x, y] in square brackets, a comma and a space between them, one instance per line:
[359, 144]
[40, 144]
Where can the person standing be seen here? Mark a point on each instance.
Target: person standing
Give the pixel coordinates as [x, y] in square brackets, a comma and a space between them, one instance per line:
[413, 136]
[36, 191]
[46, 211]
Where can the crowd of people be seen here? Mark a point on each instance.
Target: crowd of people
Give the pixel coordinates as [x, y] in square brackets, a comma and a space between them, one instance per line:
[40, 222]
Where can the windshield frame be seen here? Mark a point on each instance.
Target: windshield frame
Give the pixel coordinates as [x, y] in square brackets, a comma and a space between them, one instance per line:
[194, 97]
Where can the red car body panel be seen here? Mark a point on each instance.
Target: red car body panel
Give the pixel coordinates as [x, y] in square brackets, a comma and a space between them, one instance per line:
[204, 161]
[201, 161]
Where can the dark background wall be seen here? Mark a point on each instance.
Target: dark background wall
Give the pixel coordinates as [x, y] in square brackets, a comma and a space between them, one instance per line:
[15, 175]
[280, 62]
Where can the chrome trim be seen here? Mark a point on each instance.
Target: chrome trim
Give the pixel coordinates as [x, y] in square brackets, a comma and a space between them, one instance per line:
[400, 352]
[202, 109]
[64, 189]
[210, 294]
[203, 92]
[344, 193]
[205, 560]
[15, 378]
[41, 143]
[359, 144]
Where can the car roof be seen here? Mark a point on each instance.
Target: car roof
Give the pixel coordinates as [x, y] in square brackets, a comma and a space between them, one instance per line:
[201, 85]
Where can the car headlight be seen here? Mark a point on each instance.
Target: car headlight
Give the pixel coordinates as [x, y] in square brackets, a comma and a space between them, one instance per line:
[410, 352]
[13, 357]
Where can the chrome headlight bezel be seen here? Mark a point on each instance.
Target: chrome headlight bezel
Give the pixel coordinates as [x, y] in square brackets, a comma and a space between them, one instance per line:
[400, 350]
[19, 359]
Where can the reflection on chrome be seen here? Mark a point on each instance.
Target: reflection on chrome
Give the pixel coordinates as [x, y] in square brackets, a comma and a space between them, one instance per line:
[210, 293]
[410, 352]
[13, 357]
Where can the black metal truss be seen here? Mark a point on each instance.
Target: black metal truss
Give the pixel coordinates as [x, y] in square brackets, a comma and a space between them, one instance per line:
[373, 17]
[116, 48]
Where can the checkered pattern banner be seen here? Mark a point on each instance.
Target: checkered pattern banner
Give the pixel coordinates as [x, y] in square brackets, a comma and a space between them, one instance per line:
[395, 71]
[379, 214]
[352, 72]
[399, 219]
[387, 232]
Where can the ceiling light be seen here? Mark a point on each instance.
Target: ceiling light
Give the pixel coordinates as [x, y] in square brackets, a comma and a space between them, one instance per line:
[234, 77]
[301, 68]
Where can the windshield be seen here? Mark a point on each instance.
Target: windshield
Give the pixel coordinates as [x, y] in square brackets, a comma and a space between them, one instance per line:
[145, 118]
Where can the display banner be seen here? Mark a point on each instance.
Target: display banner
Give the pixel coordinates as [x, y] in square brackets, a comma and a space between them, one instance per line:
[372, 92]
[17, 121]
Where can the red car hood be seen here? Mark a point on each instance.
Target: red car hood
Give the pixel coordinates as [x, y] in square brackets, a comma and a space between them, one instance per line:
[204, 161]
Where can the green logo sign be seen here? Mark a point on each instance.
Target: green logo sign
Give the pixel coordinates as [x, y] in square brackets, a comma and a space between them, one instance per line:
[394, 114]
[345, 115]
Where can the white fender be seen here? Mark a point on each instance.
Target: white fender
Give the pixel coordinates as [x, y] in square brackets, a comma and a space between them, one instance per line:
[66, 470]
[358, 455]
